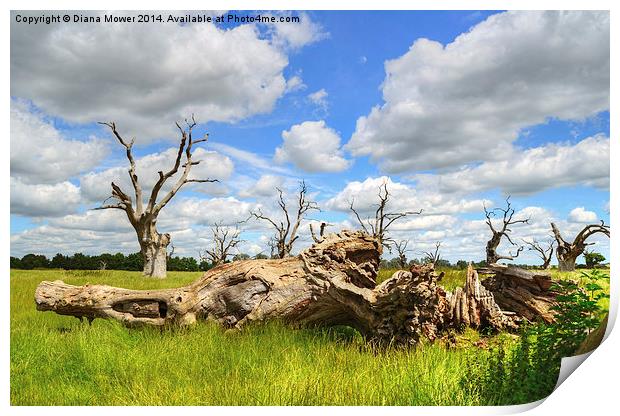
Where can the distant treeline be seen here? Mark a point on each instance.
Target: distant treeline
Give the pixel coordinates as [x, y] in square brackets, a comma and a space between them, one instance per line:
[443, 264]
[462, 264]
[120, 261]
[106, 261]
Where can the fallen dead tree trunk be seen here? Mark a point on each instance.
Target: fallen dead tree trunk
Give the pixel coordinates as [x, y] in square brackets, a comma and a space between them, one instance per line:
[331, 283]
[527, 293]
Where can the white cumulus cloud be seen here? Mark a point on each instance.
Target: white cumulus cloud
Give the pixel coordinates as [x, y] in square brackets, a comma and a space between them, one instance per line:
[313, 147]
[581, 215]
[146, 77]
[43, 200]
[468, 100]
[532, 170]
[40, 153]
[295, 35]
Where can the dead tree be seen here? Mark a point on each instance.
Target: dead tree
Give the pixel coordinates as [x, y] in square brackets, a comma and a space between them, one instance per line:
[319, 238]
[401, 251]
[223, 241]
[379, 225]
[507, 220]
[545, 253]
[331, 283]
[567, 253]
[286, 229]
[433, 257]
[143, 217]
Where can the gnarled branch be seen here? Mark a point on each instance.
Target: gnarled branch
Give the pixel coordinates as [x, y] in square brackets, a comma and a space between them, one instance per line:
[378, 227]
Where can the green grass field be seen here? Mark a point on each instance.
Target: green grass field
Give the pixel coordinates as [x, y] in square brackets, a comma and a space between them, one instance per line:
[58, 360]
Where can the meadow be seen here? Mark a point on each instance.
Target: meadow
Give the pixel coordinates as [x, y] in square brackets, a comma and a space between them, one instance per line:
[58, 360]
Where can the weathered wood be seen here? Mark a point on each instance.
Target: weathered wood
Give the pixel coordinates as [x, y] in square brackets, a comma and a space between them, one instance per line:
[332, 282]
[567, 252]
[525, 292]
[475, 306]
[153, 244]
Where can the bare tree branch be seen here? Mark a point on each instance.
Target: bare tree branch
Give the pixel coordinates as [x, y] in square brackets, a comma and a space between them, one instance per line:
[132, 166]
[286, 230]
[433, 257]
[567, 252]
[378, 227]
[401, 250]
[506, 218]
[544, 252]
[321, 232]
[223, 241]
[153, 245]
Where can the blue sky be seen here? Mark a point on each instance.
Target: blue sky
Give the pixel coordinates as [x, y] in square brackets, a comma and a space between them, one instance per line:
[452, 109]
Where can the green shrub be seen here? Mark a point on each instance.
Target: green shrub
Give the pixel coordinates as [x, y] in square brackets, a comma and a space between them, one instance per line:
[527, 369]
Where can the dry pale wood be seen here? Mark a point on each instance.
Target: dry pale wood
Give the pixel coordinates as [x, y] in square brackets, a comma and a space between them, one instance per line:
[153, 244]
[332, 282]
[567, 252]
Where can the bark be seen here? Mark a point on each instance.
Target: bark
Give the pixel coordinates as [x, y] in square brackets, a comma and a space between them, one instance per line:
[155, 260]
[568, 252]
[330, 283]
[525, 293]
[154, 249]
[567, 264]
[475, 306]
[143, 219]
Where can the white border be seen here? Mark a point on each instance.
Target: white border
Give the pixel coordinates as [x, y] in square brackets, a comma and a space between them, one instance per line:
[592, 389]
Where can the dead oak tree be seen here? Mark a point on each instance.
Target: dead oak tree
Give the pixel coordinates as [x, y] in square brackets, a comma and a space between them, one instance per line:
[567, 253]
[223, 240]
[143, 217]
[286, 230]
[378, 226]
[503, 231]
[330, 283]
[401, 252]
[433, 257]
[545, 253]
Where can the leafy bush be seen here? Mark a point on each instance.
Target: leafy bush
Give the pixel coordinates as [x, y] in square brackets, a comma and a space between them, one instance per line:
[593, 259]
[527, 369]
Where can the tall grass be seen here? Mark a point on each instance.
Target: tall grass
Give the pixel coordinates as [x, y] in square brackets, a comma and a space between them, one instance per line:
[57, 360]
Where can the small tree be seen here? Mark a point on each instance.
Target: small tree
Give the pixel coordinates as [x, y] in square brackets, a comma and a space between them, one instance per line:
[223, 241]
[286, 230]
[497, 233]
[433, 257]
[593, 259]
[401, 250]
[567, 253]
[545, 252]
[378, 226]
[143, 218]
